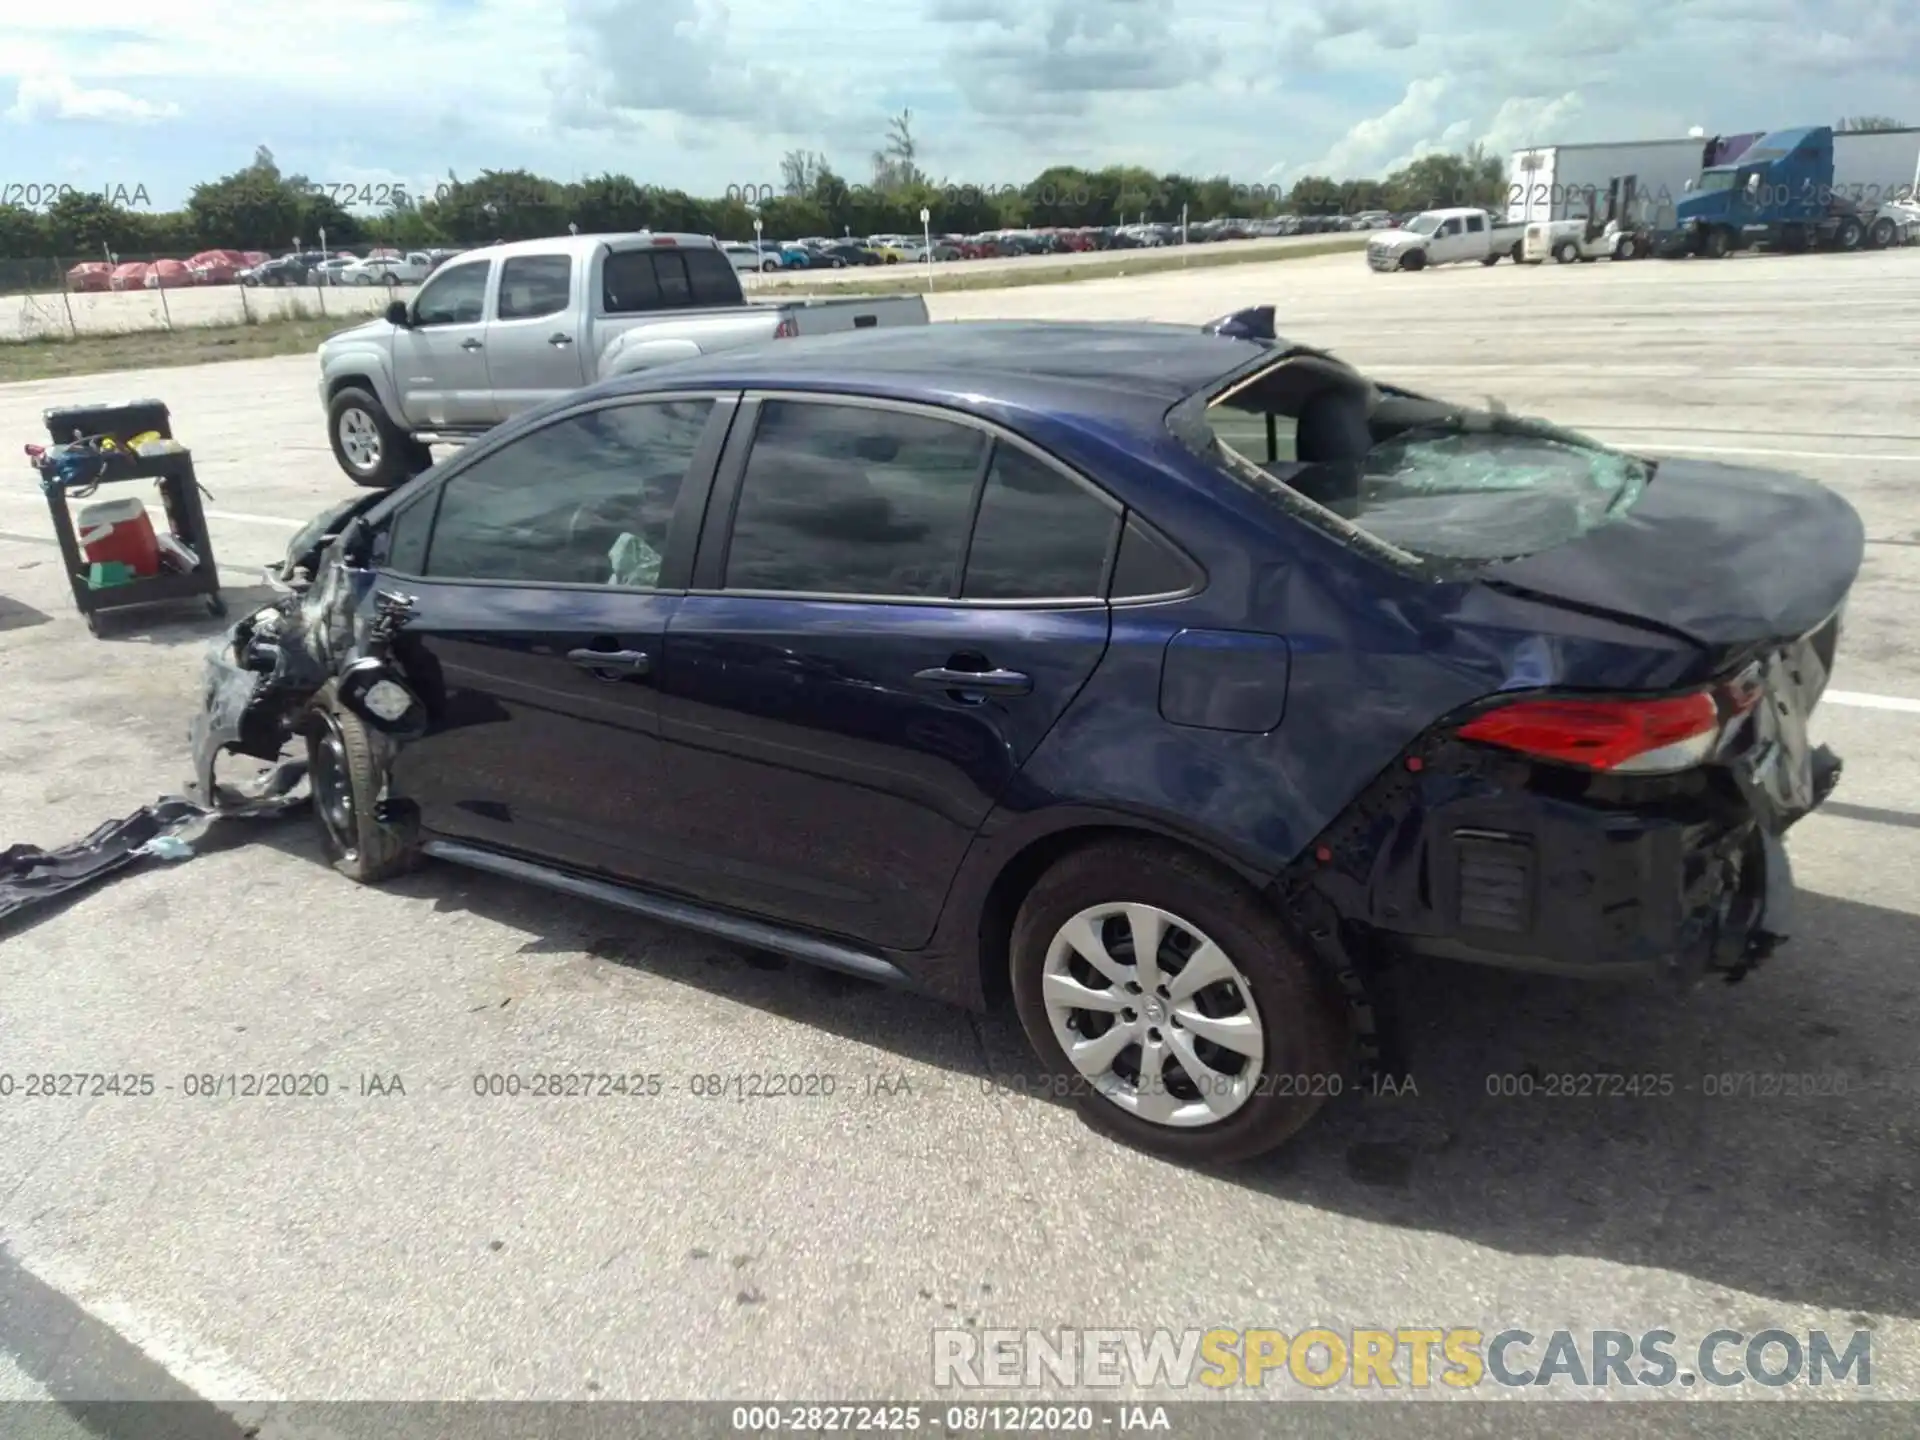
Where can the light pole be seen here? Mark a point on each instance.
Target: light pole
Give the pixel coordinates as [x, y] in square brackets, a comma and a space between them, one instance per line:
[758, 259]
[926, 236]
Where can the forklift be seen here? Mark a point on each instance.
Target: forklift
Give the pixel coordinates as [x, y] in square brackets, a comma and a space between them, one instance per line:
[1621, 233]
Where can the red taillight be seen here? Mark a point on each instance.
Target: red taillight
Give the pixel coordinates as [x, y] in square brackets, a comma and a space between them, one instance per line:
[787, 329]
[1624, 736]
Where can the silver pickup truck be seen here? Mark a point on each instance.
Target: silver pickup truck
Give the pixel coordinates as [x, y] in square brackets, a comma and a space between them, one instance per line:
[498, 330]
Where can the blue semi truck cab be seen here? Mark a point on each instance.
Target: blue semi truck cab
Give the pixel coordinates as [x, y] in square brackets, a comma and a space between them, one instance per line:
[1778, 192]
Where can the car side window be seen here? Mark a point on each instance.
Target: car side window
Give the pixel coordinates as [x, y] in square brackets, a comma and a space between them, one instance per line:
[408, 532]
[1040, 534]
[534, 285]
[457, 295]
[854, 500]
[1475, 225]
[1452, 227]
[586, 500]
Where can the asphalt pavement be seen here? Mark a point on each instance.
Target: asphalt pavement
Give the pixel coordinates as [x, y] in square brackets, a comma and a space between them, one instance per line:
[405, 1237]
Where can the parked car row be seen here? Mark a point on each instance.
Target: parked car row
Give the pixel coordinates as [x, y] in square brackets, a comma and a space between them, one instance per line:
[387, 267]
[825, 253]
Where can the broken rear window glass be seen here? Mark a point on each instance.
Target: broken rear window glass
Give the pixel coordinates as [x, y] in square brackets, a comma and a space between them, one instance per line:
[1486, 497]
[1470, 489]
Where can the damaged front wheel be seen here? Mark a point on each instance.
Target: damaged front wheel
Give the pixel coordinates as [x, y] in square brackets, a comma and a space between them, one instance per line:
[347, 766]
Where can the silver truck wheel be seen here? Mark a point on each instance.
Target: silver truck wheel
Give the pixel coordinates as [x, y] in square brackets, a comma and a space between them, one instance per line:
[359, 440]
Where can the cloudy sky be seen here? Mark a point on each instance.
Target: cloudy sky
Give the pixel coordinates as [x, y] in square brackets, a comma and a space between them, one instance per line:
[707, 94]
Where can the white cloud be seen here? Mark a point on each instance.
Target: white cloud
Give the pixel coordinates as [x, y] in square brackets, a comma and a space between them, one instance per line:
[703, 94]
[54, 96]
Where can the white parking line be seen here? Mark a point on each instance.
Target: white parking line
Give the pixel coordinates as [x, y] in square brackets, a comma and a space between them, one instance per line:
[1657, 446]
[1862, 701]
[238, 517]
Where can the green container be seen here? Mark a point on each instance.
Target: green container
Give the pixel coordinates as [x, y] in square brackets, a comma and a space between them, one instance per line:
[108, 574]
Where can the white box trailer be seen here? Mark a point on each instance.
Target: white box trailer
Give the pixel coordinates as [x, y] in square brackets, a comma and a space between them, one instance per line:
[1871, 167]
[1552, 182]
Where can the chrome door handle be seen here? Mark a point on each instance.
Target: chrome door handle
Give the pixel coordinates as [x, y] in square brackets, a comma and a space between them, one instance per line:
[470, 344]
[997, 682]
[612, 664]
[558, 339]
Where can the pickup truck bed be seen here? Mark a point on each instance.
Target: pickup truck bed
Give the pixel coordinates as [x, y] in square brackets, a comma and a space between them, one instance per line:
[497, 331]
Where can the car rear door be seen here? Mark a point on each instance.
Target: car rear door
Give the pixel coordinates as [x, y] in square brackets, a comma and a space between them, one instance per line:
[440, 359]
[892, 606]
[534, 346]
[544, 571]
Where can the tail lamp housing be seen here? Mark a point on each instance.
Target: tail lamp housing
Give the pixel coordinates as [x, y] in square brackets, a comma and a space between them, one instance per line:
[1620, 735]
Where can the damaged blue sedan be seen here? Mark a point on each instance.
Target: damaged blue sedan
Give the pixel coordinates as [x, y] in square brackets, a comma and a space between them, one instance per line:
[1174, 683]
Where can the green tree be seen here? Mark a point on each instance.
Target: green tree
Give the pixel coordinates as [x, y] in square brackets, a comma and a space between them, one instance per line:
[23, 234]
[1315, 195]
[502, 205]
[897, 162]
[254, 208]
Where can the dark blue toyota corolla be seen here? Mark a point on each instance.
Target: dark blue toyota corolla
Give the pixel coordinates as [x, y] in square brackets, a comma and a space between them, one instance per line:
[1174, 682]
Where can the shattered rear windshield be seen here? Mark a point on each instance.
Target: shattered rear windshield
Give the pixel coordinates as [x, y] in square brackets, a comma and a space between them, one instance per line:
[1462, 492]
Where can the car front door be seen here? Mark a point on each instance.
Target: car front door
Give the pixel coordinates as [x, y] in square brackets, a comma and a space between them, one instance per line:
[440, 359]
[890, 610]
[542, 571]
[534, 346]
[1449, 244]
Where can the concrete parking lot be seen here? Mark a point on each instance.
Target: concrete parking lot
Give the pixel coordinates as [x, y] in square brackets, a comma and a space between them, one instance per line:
[435, 1243]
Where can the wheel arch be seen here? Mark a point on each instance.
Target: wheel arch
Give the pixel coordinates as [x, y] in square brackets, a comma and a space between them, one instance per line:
[1020, 863]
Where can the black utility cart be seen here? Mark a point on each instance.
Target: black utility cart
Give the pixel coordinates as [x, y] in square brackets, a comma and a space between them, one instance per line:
[172, 474]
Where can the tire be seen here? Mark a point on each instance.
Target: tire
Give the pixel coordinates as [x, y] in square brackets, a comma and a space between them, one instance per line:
[1881, 234]
[1628, 249]
[347, 765]
[1565, 253]
[1715, 244]
[1493, 259]
[374, 451]
[1298, 1020]
[1848, 235]
[1414, 260]
[1518, 252]
[767, 267]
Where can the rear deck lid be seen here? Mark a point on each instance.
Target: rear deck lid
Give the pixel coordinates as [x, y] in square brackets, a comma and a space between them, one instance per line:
[1723, 554]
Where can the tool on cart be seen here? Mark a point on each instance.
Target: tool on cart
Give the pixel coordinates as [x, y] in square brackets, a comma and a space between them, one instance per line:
[116, 556]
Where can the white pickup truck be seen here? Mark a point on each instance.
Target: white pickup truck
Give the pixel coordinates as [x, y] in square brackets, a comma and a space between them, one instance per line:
[1445, 237]
[498, 330]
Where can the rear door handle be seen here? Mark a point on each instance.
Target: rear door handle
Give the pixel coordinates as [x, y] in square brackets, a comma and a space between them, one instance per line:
[612, 664]
[558, 339]
[470, 344]
[995, 682]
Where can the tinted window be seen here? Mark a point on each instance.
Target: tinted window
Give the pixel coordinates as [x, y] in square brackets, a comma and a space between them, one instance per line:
[1040, 535]
[533, 285]
[847, 500]
[1147, 565]
[455, 296]
[628, 284]
[1475, 223]
[407, 535]
[713, 278]
[587, 500]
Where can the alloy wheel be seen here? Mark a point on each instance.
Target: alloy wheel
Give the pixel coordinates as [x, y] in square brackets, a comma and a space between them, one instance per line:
[360, 440]
[1154, 1014]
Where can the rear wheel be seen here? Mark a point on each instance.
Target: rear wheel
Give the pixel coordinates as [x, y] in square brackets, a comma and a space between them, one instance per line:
[1880, 236]
[347, 770]
[1628, 249]
[1173, 1002]
[1493, 259]
[1849, 234]
[1566, 252]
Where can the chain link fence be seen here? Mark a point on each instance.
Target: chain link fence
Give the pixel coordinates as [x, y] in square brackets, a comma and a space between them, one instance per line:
[54, 299]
